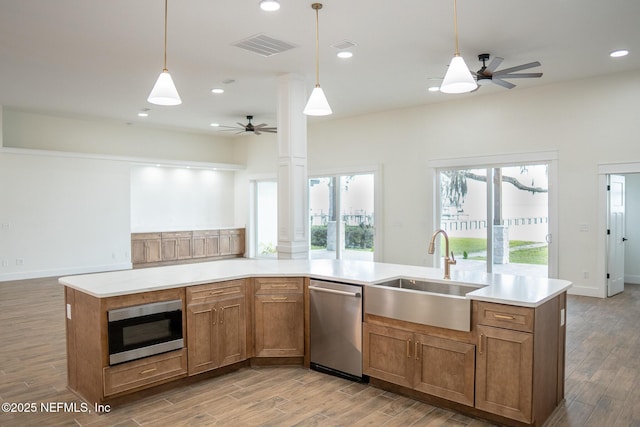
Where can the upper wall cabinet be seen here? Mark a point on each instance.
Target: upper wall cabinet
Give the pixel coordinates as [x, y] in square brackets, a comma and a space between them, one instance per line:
[171, 247]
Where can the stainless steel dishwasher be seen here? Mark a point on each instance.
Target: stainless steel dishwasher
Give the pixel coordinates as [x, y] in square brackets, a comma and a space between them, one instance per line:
[335, 326]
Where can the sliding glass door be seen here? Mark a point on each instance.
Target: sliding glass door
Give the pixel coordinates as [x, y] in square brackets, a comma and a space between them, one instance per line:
[497, 218]
[342, 216]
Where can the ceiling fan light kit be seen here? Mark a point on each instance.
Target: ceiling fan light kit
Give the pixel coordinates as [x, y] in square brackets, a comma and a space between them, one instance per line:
[458, 78]
[317, 105]
[164, 92]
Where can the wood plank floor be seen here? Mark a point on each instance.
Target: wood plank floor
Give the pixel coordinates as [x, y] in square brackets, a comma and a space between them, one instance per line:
[602, 385]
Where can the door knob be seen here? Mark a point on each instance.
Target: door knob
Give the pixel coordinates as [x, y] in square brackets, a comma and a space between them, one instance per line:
[624, 239]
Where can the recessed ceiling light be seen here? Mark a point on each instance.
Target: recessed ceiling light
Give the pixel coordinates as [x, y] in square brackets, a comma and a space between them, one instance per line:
[619, 53]
[143, 114]
[434, 89]
[215, 125]
[345, 54]
[217, 90]
[269, 5]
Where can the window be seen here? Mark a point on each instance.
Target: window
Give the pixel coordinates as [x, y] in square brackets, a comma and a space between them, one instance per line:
[266, 219]
[497, 218]
[342, 216]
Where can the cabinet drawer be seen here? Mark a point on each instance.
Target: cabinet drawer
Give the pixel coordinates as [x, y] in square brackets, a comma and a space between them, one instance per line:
[214, 291]
[505, 316]
[176, 235]
[230, 231]
[144, 372]
[145, 236]
[271, 285]
[206, 233]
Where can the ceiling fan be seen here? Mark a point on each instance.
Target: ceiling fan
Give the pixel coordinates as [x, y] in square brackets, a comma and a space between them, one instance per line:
[488, 74]
[250, 127]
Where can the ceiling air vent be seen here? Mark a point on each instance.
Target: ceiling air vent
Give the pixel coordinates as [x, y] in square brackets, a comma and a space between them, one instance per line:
[344, 44]
[264, 45]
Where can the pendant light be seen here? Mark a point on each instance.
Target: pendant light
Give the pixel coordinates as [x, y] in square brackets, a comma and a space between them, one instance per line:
[317, 104]
[458, 78]
[164, 91]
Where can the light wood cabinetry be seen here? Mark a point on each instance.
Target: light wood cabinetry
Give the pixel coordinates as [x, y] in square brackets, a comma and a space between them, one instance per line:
[206, 243]
[438, 366]
[216, 325]
[231, 241]
[144, 372]
[146, 248]
[171, 247]
[279, 317]
[88, 371]
[520, 359]
[176, 245]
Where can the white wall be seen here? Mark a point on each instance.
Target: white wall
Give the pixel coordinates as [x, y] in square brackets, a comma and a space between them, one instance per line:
[173, 199]
[586, 122]
[632, 229]
[62, 215]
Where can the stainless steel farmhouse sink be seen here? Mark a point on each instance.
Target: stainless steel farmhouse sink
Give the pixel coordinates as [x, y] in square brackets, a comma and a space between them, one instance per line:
[429, 303]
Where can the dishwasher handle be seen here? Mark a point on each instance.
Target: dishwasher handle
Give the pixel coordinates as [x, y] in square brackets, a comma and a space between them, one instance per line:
[335, 291]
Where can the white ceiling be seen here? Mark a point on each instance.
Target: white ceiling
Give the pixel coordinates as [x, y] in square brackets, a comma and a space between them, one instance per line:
[101, 58]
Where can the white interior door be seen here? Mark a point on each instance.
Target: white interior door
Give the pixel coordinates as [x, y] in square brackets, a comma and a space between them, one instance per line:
[615, 262]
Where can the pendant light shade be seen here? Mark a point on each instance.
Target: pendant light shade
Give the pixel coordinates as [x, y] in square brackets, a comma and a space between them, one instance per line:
[458, 78]
[317, 105]
[164, 92]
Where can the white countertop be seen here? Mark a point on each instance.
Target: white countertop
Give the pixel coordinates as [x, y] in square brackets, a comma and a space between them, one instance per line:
[500, 288]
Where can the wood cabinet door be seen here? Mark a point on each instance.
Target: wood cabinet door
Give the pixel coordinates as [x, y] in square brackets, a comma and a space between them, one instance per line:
[232, 331]
[444, 368]
[183, 247]
[388, 354]
[202, 337]
[279, 325]
[504, 372]
[198, 246]
[138, 251]
[212, 247]
[154, 250]
[169, 249]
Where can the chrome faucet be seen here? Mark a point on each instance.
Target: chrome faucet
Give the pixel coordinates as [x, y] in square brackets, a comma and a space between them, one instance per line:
[447, 261]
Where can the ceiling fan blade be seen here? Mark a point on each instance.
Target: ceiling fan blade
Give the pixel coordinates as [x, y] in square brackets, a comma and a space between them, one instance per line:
[503, 83]
[260, 125]
[520, 76]
[267, 130]
[495, 63]
[241, 125]
[257, 132]
[516, 68]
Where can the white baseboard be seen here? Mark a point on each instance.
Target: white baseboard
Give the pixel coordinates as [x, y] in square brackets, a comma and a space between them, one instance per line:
[586, 292]
[632, 279]
[59, 272]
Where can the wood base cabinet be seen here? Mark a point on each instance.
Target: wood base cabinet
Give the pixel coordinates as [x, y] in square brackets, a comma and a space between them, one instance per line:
[279, 317]
[520, 359]
[216, 325]
[434, 365]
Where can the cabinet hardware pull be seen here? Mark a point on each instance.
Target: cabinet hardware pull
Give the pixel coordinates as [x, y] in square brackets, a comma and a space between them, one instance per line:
[279, 298]
[416, 350]
[480, 344]
[215, 316]
[216, 292]
[408, 348]
[222, 315]
[147, 371]
[275, 285]
[504, 317]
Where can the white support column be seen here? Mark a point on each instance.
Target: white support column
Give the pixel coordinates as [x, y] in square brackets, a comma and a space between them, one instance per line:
[293, 186]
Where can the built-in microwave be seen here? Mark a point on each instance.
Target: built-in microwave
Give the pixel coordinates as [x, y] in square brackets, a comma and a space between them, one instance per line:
[144, 330]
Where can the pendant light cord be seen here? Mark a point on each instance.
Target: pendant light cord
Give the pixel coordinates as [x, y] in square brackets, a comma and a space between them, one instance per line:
[165, 36]
[455, 26]
[317, 7]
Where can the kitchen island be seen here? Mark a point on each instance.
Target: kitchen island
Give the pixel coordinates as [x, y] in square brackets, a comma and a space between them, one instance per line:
[508, 366]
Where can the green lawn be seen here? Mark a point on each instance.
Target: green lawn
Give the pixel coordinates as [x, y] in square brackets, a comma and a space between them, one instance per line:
[460, 245]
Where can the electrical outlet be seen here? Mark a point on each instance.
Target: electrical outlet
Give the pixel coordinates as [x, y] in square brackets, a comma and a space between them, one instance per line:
[5, 263]
[585, 274]
[19, 261]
